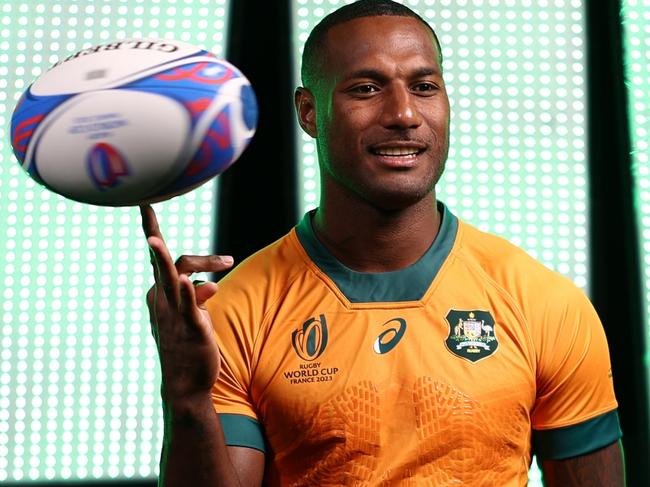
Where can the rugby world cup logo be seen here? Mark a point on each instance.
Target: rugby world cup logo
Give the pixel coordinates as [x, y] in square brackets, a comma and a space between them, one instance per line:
[310, 340]
[106, 166]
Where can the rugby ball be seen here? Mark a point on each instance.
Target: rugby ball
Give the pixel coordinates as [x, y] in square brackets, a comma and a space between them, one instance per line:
[134, 121]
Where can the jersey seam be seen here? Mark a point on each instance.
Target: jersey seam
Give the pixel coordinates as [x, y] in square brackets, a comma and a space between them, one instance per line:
[265, 317]
[501, 290]
[563, 362]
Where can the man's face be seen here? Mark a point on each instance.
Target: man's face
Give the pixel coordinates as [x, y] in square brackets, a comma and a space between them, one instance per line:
[381, 112]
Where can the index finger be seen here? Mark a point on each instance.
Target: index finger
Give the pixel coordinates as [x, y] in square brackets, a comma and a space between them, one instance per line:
[150, 222]
[165, 272]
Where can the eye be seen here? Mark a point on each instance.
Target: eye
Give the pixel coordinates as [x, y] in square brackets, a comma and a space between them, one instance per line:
[425, 87]
[366, 89]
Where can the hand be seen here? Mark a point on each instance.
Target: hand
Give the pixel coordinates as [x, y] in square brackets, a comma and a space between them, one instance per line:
[180, 324]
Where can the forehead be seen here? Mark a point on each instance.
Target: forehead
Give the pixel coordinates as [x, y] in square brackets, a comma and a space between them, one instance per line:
[359, 43]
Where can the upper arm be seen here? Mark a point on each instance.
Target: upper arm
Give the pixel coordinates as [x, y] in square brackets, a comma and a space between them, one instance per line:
[235, 323]
[249, 465]
[601, 468]
[574, 379]
[575, 407]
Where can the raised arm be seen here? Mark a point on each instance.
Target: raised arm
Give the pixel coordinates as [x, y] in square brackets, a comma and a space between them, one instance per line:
[602, 468]
[194, 450]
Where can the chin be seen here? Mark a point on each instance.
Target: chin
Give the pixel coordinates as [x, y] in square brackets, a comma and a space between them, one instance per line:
[398, 200]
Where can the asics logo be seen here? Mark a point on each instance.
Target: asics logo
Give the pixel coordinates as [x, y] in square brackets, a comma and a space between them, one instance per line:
[390, 337]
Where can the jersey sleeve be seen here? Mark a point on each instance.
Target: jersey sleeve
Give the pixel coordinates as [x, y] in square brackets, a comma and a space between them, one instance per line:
[575, 408]
[234, 323]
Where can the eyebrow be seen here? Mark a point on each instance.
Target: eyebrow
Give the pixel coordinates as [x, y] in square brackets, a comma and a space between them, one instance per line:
[374, 74]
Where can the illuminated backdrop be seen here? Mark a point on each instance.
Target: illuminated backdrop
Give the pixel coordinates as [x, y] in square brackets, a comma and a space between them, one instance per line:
[78, 370]
[79, 376]
[636, 31]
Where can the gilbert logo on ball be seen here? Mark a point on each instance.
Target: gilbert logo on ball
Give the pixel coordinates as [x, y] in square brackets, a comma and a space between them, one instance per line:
[132, 122]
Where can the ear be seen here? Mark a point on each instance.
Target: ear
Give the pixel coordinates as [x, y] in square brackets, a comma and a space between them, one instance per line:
[306, 110]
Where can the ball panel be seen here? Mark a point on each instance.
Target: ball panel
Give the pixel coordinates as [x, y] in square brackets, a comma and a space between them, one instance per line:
[26, 118]
[222, 126]
[243, 119]
[113, 147]
[205, 75]
[249, 107]
[214, 155]
[218, 147]
[221, 133]
[110, 64]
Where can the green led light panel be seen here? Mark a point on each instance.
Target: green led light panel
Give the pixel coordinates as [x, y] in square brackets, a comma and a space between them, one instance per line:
[636, 31]
[515, 73]
[79, 374]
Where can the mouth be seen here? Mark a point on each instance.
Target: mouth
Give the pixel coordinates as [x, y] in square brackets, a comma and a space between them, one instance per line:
[398, 153]
[398, 148]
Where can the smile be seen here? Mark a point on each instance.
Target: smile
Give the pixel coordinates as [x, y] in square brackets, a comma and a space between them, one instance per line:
[396, 151]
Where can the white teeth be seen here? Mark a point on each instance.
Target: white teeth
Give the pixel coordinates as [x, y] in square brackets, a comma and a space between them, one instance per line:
[397, 151]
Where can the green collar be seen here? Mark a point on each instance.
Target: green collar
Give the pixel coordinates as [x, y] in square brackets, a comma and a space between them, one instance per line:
[407, 284]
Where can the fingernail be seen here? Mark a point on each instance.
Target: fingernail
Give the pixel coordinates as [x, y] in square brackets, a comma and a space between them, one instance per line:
[227, 259]
[198, 282]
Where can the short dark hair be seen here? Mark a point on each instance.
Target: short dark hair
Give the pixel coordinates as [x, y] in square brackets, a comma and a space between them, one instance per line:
[312, 52]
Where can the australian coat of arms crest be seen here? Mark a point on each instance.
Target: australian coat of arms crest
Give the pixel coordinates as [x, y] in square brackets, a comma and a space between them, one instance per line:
[471, 334]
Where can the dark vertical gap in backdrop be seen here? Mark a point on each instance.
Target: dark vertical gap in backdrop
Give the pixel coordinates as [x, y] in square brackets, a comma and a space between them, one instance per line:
[257, 195]
[615, 275]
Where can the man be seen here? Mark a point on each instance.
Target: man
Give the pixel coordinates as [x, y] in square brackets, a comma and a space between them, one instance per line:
[382, 341]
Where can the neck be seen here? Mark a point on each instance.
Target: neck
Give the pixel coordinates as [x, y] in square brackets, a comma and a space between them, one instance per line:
[368, 239]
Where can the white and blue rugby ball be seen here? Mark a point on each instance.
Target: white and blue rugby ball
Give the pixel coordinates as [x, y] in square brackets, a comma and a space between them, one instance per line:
[132, 122]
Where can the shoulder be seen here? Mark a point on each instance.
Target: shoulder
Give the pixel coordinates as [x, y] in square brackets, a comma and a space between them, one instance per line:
[246, 298]
[545, 300]
[265, 273]
[510, 267]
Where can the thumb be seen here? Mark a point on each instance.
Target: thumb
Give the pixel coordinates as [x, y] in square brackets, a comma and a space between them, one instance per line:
[204, 290]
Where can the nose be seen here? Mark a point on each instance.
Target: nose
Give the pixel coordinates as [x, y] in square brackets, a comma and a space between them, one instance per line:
[400, 110]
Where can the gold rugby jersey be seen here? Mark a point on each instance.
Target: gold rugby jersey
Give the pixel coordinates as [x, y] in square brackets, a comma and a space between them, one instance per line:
[447, 372]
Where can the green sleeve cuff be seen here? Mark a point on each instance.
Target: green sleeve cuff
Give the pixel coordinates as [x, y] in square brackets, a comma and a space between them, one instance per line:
[240, 430]
[578, 439]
